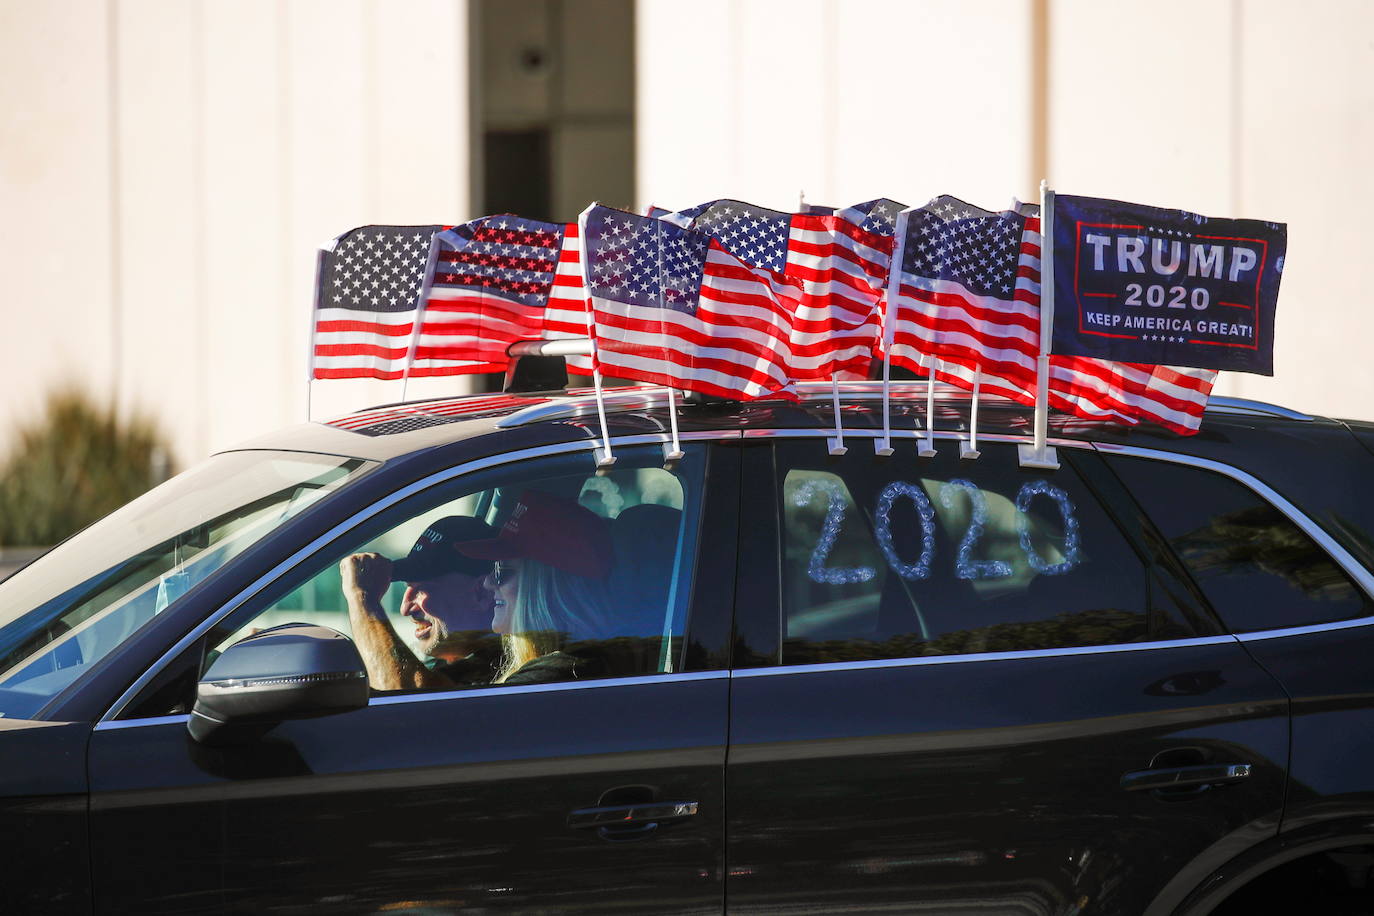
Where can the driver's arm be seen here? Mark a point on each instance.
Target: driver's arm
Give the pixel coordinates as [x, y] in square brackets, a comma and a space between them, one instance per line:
[390, 663]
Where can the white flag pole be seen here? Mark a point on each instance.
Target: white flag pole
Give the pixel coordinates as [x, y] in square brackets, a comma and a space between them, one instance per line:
[925, 447]
[836, 441]
[606, 459]
[426, 287]
[883, 447]
[969, 449]
[1040, 455]
[673, 450]
[318, 300]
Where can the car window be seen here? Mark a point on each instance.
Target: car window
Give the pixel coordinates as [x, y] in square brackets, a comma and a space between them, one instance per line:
[1258, 569]
[543, 571]
[78, 602]
[915, 557]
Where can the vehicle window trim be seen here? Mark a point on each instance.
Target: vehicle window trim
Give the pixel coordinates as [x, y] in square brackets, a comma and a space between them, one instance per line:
[976, 657]
[1333, 548]
[381, 505]
[671, 677]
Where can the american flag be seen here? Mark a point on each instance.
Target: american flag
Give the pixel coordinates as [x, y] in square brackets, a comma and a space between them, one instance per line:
[497, 280]
[489, 288]
[963, 296]
[369, 284]
[566, 315]
[673, 307]
[968, 295]
[842, 259]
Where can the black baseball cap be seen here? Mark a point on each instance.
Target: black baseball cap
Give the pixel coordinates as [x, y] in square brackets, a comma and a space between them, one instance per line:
[435, 552]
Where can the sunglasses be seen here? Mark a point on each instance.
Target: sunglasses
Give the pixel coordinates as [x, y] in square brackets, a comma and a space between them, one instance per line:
[502, 571]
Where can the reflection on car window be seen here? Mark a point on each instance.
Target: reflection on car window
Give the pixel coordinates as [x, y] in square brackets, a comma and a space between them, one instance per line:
[1259, 570]
[542, 572]
[81, 600]
[917, 557]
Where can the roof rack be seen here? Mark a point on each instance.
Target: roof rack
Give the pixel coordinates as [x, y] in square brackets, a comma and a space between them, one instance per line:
[581, 405]
[576, 406]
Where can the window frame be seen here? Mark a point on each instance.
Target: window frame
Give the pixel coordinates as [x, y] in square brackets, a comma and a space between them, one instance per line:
[345, 529]
[1334, 550]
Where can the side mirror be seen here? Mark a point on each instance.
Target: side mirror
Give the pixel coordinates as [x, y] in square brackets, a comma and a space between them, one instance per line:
[294, 671]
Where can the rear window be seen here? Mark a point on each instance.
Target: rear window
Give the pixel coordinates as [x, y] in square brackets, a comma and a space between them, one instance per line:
[1259, 570]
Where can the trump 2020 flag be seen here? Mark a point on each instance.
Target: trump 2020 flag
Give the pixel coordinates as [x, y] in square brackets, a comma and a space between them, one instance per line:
[367, 290]
[672, 307]
[1174, 397]
[841, 257]
[1148, 285]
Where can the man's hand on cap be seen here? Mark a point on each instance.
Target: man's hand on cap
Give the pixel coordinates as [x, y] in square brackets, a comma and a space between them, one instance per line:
[366, 576]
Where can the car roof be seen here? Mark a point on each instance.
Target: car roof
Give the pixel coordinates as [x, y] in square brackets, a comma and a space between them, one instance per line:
[390, 431]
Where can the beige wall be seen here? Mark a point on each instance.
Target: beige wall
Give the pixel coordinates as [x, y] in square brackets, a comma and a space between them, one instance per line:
[845, 101]
[167, 169]
[1248, 108]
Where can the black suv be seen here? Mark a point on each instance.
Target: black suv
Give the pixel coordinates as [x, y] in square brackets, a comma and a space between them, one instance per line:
[837, 681]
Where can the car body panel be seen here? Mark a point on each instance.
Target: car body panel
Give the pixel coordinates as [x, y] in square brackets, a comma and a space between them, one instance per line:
[441, 802]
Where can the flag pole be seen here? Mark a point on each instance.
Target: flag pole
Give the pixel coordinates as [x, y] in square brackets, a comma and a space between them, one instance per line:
[606, 459]
[925, 447]
[837, 441]
[1040, 455]
[883, 447]
[320, 254]
[426, 287]
[673, 450]
[969, 449]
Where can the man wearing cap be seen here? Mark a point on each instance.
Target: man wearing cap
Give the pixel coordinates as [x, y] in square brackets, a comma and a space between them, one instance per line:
[444, 597]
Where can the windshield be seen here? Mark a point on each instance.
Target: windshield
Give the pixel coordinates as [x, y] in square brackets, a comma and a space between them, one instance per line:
[76, 603]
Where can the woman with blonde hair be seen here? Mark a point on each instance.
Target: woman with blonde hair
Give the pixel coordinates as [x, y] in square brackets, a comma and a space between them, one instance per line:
[550, 589]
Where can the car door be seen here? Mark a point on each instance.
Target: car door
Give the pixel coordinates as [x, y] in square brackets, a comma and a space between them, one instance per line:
[1299, 601]
[602, 794]
[967, 686]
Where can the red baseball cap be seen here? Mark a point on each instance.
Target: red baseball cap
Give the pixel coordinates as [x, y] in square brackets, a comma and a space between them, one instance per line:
[555, 531]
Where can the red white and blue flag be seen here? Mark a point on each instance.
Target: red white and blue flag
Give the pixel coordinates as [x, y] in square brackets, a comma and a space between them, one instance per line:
[368, 286]
[497, 280]
[962, 296]
[841, 257]
[671, 306]
[488, 288]
[565, 317]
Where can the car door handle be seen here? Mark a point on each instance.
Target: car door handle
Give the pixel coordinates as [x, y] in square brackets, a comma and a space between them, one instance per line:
[1216, 774]
[645, 815]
